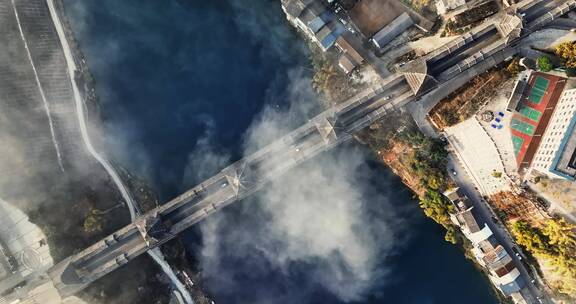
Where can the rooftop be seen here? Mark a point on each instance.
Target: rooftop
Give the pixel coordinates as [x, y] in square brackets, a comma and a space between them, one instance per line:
[468, 220]
[519, 91]
[453, 194]
[564, 162]
[392, 30]
[511, 282]
[295, 7]
[347, 48]
[499, 261]
[532, 114]
[347, 63]
[372, 15]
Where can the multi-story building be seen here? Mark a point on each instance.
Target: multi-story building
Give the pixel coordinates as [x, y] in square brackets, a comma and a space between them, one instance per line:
[556, 155]
[542, 125]
[320, 25]
[350, 57]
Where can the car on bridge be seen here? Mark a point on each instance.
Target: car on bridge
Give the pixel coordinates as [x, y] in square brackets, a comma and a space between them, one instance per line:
[122, 259]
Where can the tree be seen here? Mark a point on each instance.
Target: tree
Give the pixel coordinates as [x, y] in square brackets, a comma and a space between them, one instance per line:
[567, 51]
[436, 207]
[514, 67]
[450, 116]
[544, 64]
[561, 234]
[451, 235]
[554, 245]
[94, 221]
[531, 238]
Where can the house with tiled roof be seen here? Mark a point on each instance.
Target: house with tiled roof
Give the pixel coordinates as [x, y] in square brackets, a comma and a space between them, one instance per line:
[486, 249]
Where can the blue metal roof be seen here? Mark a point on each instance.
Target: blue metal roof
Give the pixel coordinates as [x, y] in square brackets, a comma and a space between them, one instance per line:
[327, 16]
[316, 24]
[329, 40]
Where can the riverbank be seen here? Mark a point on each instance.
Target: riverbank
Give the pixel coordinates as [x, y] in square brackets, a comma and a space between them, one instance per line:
[95, 220]
[421, 162]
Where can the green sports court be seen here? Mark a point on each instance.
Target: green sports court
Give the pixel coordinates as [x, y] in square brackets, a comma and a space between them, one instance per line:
[517, 142]
[538, 89]
[522, 127]
[530, 113]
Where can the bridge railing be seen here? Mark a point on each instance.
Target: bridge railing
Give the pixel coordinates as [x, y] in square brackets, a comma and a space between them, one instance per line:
[218, 199]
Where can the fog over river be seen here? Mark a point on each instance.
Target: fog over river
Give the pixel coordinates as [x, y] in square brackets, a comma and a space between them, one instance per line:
[187, 87]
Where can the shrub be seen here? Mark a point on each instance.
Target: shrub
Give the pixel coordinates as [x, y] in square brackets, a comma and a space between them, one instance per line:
[544, 64]
[567, 51]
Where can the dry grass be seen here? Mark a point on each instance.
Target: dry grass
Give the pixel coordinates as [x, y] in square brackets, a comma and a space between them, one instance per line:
[517, 206]
[467, 100]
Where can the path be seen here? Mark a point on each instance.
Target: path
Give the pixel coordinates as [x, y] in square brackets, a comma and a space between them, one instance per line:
[79, 102]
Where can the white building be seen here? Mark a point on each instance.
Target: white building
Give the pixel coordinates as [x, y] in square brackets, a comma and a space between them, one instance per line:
[488, 252]
[556, 153]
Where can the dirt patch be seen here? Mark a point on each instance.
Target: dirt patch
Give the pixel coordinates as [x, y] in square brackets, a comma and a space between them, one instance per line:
[476, 14]
[511, 206]
[467, 100]
[329, 80]
[562, 192]
[372, 15]
[397, 158]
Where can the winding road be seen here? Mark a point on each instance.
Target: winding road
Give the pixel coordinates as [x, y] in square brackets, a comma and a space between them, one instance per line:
[133, 207]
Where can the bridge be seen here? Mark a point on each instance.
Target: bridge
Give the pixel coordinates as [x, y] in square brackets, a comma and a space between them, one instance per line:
[472, 53]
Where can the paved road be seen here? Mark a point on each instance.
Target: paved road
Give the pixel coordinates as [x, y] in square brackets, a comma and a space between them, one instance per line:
[133, 207]
[464, 181]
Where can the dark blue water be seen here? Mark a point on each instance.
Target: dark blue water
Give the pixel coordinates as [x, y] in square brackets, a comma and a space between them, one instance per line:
[180, 80]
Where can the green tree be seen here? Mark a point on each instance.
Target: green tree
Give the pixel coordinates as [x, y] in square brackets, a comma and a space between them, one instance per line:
[529, 237]
[436, 207]
[561, 235]
[554, 245]
[451, 235]
[544, 64]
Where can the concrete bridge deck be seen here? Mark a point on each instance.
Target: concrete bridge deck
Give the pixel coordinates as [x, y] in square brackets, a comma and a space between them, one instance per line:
[242, 178]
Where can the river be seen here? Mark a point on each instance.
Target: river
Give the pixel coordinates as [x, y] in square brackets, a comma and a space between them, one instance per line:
[187, 86]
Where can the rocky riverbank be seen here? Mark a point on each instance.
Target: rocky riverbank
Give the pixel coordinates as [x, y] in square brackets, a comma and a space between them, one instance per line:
[91, 207]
